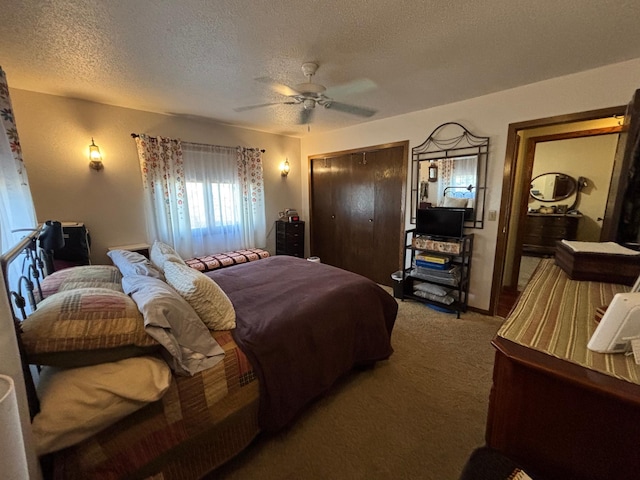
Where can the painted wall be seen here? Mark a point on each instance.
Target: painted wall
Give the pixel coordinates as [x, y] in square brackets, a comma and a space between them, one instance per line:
[488, 115]
[55, 133]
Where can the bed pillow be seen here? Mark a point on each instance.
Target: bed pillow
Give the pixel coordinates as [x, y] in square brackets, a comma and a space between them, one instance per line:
[84, 276]
[174, 323]
[455, 202]
[77, 403]
[133, 263]
[84, 327]
[205, 296]
[161, 252]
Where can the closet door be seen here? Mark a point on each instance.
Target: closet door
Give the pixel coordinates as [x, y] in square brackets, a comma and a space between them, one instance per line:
[357, 215]
[328, 228]
[359, 212]
[389, 173]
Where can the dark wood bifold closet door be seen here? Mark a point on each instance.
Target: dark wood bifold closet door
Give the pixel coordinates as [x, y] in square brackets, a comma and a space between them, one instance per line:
[357, 213]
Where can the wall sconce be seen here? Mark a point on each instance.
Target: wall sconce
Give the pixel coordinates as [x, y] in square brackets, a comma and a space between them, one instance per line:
[433, 172]
[95, 157]
[284, 168]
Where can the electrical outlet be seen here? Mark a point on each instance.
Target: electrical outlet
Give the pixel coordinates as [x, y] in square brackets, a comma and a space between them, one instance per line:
[493, 215]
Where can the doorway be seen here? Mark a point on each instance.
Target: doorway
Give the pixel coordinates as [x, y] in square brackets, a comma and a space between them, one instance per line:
[518, 171]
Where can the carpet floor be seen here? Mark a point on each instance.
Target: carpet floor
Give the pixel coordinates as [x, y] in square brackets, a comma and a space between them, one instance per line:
[418, 415]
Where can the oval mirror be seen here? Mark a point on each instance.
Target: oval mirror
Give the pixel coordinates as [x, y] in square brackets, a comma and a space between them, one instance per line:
[553, 186]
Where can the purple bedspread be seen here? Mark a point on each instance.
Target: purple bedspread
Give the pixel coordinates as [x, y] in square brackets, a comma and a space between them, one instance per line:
[303, 325]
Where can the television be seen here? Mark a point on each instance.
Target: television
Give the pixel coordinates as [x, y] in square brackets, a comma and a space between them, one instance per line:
[440, 222]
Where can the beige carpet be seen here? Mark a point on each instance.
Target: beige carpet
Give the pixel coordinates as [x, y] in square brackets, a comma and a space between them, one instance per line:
[418, 415]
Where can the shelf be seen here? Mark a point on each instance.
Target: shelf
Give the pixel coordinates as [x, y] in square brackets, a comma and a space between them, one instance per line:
[456, 306]
[459, 250]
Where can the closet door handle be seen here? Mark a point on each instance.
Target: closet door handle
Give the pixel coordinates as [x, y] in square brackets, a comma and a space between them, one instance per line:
[371, 220]
[333, 216]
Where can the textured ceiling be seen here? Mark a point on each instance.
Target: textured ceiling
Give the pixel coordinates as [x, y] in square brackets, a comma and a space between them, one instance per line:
[200, 58]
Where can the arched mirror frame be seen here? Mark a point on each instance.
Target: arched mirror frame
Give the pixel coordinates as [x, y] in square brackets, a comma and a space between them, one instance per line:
[463, 144]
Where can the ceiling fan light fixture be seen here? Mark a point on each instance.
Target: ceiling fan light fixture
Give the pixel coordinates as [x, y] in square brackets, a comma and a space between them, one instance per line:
[309, 103]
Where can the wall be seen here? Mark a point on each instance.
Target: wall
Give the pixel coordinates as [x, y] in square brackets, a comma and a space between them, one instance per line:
[488, 115]
[55, 133]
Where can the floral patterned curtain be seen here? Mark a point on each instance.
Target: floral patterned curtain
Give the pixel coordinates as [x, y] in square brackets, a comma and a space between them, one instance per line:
[202, 199]
[9, 124]
[165, 199]
[445, 173]
[16, 212]
[250, 176]
[16, 205]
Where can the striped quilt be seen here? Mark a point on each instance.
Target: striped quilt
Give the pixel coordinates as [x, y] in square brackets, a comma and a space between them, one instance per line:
[557, 316]
[200, 423]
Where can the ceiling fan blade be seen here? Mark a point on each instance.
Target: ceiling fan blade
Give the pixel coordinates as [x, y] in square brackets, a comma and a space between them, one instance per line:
[352, 109]
[251, 107]
[278, 87]
[357, 86]
[305, 116]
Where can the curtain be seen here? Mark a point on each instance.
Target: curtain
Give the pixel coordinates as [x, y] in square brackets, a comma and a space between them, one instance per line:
[16, 212]
[165, 199]
[445, 174]
[215, 204]
[251, 180]
[202, 199]
[16, 205]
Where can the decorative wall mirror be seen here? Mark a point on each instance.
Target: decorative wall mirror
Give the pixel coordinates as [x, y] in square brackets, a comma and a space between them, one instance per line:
[449, 170]
[553, 187]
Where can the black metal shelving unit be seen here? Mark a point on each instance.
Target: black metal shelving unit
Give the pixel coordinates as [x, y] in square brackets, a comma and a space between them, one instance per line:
[460, 252]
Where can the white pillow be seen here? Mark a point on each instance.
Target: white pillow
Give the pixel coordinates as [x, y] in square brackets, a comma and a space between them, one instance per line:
[205, 296]
[173, 323]
[77, 403]
[133, 263]
[161, 252]
[455, 202]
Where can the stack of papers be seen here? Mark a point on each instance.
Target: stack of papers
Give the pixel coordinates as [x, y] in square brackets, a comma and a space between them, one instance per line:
[610, 248]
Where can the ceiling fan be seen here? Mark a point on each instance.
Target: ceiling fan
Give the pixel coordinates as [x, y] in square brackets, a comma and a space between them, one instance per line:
[309, 94]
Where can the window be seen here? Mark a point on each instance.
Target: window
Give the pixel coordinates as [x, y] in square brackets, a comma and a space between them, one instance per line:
[213, 205]
[202, 199]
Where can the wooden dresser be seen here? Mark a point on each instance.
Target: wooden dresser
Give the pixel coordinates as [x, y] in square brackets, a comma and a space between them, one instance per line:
[555, 406]
[542, 230]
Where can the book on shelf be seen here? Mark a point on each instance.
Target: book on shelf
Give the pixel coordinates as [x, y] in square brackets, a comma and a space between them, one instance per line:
[435, 266]
[427, 257]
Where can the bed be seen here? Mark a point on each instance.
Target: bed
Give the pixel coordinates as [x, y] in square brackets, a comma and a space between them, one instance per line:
[299, 326]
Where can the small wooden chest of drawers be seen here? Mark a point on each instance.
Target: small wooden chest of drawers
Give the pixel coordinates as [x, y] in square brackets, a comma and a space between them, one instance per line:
[290, 238]
[543, 230]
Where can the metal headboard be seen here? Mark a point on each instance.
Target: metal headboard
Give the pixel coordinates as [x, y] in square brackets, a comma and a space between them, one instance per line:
[32, 270]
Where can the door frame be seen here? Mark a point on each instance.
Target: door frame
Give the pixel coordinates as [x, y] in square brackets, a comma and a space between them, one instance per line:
[508, 183]
[402, 214]
[526, 178]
